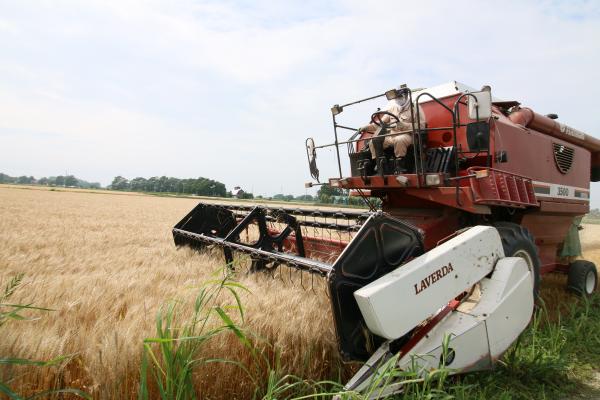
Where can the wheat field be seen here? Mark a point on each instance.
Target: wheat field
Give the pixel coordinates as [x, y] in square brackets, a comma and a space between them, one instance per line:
[106, 263]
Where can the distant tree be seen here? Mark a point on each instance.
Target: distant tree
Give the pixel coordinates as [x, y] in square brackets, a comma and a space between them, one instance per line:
[305, 197]
[325, 198]
[220, 189]
[201, 186]
[60, 180]
[26, 180]
[189, 186]
[5, 178]
[327, 194]
[172, 185]
[356, 201]
[138, 184]
[119, 183]
[161, 184]
[329, 190]
[70, 180]
[152, 184]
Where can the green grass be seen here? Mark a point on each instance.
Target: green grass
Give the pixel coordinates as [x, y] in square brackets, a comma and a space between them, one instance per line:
[551, 360]
[170, 358]
[174, 354]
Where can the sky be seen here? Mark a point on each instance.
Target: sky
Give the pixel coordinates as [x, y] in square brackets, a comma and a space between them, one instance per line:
[229, 90]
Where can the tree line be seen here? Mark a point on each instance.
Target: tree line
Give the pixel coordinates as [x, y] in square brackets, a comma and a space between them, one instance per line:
[332, 195]
[194, 186]
[197, 186]
[66, 180]
[326, 194]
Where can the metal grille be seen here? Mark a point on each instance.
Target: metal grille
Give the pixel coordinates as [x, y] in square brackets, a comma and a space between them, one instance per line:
[563, 155]
[309, 240]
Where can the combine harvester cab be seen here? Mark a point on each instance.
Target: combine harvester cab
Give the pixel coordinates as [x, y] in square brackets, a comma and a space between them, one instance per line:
[349, 249]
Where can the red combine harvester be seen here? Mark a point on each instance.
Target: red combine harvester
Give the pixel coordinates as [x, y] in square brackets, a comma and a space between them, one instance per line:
[488, 199]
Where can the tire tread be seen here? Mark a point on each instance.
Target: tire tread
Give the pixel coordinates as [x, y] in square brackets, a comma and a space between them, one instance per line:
[577, 277]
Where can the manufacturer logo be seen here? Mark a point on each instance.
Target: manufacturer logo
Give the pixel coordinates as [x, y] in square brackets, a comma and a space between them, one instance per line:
[567, 130]
[433, 278]
[563, 191]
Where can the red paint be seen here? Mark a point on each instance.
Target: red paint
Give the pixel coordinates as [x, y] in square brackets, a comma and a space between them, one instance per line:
[530, 119]
[501, 188]
[323, 249]
[425, 329]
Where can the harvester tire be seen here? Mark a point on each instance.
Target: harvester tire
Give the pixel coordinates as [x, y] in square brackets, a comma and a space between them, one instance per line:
[583, 277]
[517, 241]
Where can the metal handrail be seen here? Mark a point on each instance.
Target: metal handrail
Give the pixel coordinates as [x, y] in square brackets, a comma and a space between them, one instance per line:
[335, 126]
[416, 134]
[419, 177]
[457, 123]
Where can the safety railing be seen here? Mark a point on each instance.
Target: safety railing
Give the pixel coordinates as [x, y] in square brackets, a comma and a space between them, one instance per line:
[417, 131]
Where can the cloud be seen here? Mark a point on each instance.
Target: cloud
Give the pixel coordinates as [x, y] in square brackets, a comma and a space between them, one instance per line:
[229, 90]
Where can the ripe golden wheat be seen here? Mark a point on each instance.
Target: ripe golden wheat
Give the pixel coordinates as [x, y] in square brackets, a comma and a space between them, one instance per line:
[106, 263]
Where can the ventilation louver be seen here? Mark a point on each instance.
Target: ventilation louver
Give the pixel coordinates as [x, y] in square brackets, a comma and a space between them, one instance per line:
[563, 155]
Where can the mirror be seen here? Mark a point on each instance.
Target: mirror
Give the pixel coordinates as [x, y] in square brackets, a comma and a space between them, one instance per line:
[391, 94]
[484, 103]
[395, 93]
[311, 153]
[336, 109]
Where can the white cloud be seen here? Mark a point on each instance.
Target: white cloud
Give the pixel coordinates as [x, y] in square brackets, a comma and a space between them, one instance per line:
[230, 89]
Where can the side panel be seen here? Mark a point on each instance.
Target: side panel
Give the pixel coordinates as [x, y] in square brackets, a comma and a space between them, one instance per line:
[480, 336]
[561, 196]
[468, 341]
[437, 223]
[506, 319]
[382, 244]
[531, 153]
[397, 302]
[549, 231]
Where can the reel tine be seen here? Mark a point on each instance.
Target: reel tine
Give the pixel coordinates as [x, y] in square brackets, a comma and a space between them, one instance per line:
[302, 280]
[276, 267]
[281, 275]
[312, 283]
[326, 289]
[273, 270]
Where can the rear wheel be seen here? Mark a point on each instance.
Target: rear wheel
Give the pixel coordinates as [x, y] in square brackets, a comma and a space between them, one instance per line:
[583, 277]
[517, 241]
